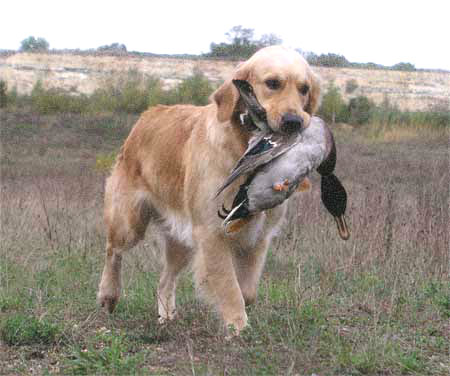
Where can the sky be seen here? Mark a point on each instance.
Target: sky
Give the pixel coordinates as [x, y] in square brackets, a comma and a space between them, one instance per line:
[381, 31]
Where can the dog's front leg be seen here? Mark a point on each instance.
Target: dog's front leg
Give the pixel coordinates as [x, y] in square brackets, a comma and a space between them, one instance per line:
[216, 278]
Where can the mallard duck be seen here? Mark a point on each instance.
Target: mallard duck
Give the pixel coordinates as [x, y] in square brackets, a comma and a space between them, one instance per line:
[276, 164]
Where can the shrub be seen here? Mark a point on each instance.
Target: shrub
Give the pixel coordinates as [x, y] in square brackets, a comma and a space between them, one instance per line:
[350, 86]
[130, 93]
[3, 94]
[50, 101]
[333, 108]
[193, 90]
[360, 110]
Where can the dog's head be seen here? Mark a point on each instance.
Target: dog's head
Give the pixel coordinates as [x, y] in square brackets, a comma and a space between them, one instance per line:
[283, 83]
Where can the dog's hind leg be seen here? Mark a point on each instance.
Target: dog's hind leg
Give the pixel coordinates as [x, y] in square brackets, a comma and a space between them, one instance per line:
[177, 257]
[127, 215]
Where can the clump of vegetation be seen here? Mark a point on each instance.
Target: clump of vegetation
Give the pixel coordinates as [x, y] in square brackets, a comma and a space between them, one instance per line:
[130, 93]
[113, 49]
[3, 94]
[134, 92]
[193, 90]
[350, 86]
[241, 44]
[21, 329]
[333, 108]
[50, 101]
[32, 44]
[333, 60]
[361, 110]
[104, 162]
[108, 353]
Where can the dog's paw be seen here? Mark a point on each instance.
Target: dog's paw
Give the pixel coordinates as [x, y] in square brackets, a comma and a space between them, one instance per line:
[166, 318]
[235, 328]
[108, 302]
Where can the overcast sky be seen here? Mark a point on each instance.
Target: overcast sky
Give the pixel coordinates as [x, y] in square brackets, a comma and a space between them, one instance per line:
[380, 31]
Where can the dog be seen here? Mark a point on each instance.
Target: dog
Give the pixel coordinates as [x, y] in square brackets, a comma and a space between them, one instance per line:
[168, 171]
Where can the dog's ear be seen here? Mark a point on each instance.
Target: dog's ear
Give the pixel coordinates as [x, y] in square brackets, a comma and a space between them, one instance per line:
[314, 95]
[227, 96]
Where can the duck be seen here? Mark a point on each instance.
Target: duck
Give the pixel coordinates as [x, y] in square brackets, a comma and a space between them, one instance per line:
[278, 164]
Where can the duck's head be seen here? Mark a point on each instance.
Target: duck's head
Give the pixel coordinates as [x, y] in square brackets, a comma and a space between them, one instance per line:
[334, 198]
[333, 194]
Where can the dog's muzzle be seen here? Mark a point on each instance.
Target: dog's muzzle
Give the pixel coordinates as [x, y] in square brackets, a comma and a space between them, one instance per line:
[291, 123]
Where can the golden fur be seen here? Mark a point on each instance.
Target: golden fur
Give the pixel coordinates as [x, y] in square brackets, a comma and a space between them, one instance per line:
[168, 171]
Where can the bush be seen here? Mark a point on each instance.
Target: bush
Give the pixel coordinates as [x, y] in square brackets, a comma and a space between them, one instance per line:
[333, 108]
[359, 109]
[130, 93]
[193, 90]
[50, 101]
[350, 86]
[3, 94]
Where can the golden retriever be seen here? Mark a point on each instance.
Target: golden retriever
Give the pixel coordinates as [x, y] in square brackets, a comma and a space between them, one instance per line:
[168, 171]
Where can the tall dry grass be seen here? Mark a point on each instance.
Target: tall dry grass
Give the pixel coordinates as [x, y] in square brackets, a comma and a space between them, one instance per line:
[377, 303]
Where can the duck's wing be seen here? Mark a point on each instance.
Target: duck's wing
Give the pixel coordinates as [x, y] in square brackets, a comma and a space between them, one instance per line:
[261, 151]
[256, 112]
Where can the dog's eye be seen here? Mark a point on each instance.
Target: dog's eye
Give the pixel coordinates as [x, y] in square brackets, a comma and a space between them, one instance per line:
[273, 84]
[303, 89]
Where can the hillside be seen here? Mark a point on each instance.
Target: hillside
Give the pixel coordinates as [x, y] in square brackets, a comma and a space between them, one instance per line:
[83, 73]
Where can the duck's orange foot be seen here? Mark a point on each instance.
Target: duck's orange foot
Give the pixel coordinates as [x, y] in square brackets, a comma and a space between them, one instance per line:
[236, 225]
[281, 186]
[304, 186]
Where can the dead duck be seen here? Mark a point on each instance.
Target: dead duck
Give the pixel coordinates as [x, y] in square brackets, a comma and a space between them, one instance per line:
[277, 164]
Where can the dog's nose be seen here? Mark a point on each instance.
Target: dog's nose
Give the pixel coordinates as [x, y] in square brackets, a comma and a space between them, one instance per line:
[291, 123]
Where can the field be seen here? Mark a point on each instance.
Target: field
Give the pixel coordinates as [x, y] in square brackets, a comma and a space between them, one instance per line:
[378, 304]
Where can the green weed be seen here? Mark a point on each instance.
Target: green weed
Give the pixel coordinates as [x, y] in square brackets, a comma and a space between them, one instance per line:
[20, 329]
[107, 353]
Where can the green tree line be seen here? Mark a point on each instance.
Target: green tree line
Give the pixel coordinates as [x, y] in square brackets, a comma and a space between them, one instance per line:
[240, 44]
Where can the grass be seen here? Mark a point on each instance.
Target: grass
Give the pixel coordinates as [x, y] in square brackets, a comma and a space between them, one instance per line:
[376, 304]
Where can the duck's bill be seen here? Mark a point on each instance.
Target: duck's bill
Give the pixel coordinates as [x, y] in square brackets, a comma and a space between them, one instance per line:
[342, 227]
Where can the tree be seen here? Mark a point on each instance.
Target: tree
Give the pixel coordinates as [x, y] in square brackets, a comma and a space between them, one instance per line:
[241, 43]
[31, 44]
[270, 40]
[238, 35]
[113, 48]
[327, 60]
[407, 67]
[333, 107]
